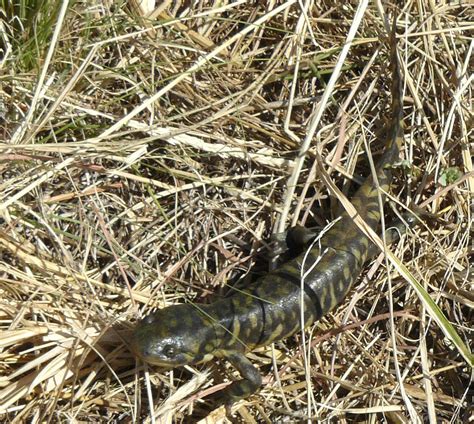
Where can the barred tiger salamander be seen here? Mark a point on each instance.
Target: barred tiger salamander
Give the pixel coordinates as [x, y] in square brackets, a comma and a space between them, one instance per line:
[270, 309]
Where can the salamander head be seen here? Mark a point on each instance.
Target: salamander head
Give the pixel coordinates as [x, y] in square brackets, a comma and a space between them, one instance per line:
[176, 335]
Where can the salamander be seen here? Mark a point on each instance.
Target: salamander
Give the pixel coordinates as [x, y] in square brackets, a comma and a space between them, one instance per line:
[280, 303]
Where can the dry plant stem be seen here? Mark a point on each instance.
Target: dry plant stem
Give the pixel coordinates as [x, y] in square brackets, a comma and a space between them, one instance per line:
[314, 122]
[60, 99]
[194, 68]
[16, 139]
[300, 31]
[411, 410]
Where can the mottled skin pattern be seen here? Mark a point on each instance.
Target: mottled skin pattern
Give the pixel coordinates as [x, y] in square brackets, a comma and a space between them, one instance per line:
[270, 308]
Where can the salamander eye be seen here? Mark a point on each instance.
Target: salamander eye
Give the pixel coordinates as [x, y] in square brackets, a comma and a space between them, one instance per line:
[169, 350]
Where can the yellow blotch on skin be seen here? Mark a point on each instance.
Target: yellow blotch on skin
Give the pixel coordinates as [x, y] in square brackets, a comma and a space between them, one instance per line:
[347, 272]
[235, 331]
[253, 321]
[277, 332]
[342, 287]
[333, 295]
[324, 295]
[357, 254]
[374, 215]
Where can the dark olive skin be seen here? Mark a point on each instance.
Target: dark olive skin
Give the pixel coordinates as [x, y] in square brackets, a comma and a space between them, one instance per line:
[270, 308]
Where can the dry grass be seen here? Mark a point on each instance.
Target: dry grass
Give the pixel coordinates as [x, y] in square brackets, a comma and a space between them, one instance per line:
[144, 161]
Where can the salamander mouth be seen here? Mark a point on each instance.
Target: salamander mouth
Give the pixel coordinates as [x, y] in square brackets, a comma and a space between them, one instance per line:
[159, 362]
[150, 358]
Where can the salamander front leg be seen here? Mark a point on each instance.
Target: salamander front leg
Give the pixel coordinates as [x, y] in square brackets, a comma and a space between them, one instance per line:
[298, 237]
[295, 239]
[251, 378]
